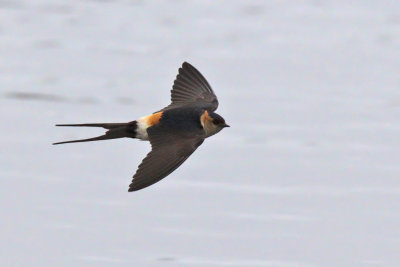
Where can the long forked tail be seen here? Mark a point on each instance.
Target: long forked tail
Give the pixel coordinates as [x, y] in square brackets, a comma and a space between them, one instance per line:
[115, 130]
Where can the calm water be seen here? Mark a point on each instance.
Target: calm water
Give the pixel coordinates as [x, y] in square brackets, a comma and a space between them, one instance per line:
[307, 175]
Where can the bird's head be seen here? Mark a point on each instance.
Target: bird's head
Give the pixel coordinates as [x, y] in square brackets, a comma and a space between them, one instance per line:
[212, 123]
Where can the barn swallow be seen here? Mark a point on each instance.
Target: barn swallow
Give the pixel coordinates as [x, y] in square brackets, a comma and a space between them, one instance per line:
[174, 132]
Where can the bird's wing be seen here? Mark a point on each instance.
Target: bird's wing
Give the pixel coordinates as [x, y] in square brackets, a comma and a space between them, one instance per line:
[190, 87]
[168, 152]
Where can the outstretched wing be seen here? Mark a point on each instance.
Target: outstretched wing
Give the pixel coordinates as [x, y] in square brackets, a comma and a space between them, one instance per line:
[190, 87]
[168, 152]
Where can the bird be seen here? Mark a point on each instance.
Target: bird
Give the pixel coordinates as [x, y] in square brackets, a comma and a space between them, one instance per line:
[174, 132]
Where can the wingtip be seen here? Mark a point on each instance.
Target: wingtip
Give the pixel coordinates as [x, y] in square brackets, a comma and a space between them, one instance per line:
[131, 188]
[134, 187]
[186, 64]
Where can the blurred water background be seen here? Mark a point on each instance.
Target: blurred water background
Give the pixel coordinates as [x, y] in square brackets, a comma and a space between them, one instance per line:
[307, 175]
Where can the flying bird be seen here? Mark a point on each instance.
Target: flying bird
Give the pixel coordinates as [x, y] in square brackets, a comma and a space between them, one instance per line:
[174, 132]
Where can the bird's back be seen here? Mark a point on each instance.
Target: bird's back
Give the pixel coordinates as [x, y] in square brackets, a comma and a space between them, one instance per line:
[182, 119]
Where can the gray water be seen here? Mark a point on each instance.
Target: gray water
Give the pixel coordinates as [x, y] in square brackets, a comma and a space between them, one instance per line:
[307, 175]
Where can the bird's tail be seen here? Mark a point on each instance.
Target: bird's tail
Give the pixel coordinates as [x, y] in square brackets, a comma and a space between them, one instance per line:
[115, 130]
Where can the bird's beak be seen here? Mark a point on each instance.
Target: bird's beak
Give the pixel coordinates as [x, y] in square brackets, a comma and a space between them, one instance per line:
[226, 125]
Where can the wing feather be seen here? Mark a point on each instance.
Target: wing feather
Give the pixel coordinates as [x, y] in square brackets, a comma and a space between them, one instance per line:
[191, 88]
[168, 152]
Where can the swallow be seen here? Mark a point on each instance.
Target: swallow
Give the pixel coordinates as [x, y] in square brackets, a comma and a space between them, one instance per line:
[174, 132]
